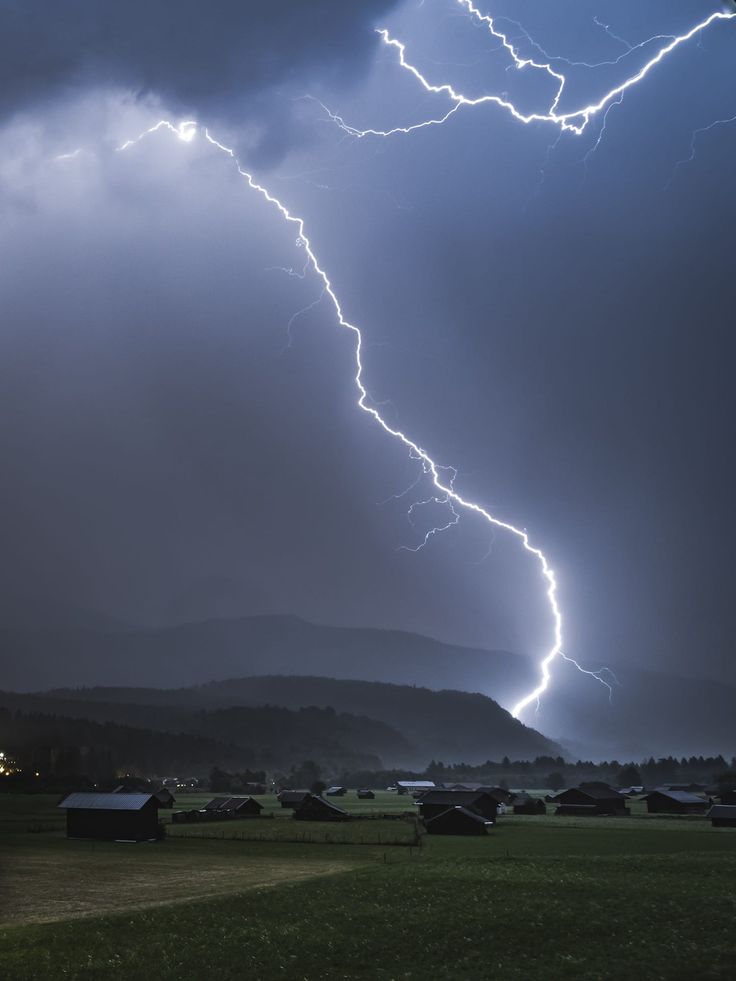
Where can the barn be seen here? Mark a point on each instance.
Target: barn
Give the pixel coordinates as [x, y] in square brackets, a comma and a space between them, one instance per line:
[590, 801]
[293, 798]
[458, 821]
[112, 817]
[243, 807]
[414, 786]
[723, 815]
[434, 802]
[675, 802]
[524, 804]
[164, 797]
[366, 795]
[315, 808]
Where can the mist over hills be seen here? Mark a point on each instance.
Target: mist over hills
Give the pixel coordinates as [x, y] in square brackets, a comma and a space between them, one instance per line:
[649, 713]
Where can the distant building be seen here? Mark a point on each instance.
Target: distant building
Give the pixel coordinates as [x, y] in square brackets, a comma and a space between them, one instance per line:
[458, 821]
[112, 817]
[723, 815]
[675, 802]
[589, 801]
[216, 804]
[164, 797]
[366, 795]
[435, 802]
[292, 798]
[690, 788]
[414, 786]
[524, 804]
[502, 795]
[230, 807]
[314, 808]
[336, 791]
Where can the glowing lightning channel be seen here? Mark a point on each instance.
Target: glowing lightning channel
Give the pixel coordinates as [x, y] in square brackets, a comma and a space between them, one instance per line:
[574, 121]
[444, 485]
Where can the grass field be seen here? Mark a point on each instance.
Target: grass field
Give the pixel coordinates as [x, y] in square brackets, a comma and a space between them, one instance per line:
[540, 898]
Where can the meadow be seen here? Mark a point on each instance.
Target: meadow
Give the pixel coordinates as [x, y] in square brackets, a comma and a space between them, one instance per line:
[594, 899]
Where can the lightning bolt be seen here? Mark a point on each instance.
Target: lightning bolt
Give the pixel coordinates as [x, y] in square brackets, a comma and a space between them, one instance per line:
[575, 121]
[693, 145]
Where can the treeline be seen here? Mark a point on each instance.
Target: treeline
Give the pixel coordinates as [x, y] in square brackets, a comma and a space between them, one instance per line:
[553, 772]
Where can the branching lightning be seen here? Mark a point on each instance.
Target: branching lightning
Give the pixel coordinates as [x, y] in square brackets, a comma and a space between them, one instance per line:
[574, 121]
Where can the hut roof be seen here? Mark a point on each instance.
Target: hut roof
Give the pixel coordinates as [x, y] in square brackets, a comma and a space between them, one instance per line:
[681, 796]
[453, 798]
[106, 802]
[466, 814]
[723, 811]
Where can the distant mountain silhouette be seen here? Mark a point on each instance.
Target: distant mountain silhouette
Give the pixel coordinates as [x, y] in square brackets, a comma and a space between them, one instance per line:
[650, 714]
[405, 726]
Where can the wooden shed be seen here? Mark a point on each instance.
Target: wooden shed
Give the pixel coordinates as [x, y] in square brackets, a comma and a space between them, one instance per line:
[524, 804]
[243, 807]
[164, 797]
[458, 821]
[723, 815]
[112, 817]
[675, 802]
[292, 798]
[315, 808]
[590, 801]
[366, 795]
[435, 802]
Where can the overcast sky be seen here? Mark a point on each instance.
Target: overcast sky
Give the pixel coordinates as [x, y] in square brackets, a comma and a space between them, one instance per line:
[555, 323]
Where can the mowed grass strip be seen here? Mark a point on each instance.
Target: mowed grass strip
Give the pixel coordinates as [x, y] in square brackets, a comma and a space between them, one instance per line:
[49, 879]
[461, 910]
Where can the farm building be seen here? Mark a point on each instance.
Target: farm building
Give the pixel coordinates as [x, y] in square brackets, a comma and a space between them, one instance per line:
[434, 802]
[414, 786]
[315, 808]
[164, 797]
[524, 804]
[723, 815]
[675, 802]
[292, 798]
[502, 795]
[458, 821]
[230, 807]
[591, 801]
[336, 791]
[728, 797]
[689, 788]
[111, 817]
[366, 795]
[216, 804]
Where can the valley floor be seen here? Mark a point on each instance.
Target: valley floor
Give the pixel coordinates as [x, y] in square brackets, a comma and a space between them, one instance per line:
[582, 899]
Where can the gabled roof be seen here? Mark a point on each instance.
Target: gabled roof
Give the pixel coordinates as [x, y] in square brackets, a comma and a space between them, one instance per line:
[416, 784]
[454, 798]
[106, 802]
[681, 796]
[216, 804]
[595, 793]
[232, 803]
[466, 814]
[314, 800]
[293, 794]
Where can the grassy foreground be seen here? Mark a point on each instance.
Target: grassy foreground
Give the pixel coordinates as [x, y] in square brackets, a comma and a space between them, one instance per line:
[541, 898]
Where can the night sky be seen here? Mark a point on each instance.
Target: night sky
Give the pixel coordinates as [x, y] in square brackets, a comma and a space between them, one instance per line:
[558, 327]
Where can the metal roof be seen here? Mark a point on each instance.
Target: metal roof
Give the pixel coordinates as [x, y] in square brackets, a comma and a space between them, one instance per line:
[478, 818]
[106, 802]
[723, 811]
[681, 796]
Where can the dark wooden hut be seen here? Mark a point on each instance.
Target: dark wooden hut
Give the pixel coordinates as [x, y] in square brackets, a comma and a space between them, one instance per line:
[524, 804]
[435, 802]
[292, 798]
[164, 797]
[723, 815]
[243, 807]
[458, 821]
[366, 795]
[675, 802]
[592, 801]
[315, 808]
[111, 817]
[336, 791]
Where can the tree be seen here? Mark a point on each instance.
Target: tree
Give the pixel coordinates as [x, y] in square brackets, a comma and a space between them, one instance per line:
[555, 781]
[629, 776]
[221, 782]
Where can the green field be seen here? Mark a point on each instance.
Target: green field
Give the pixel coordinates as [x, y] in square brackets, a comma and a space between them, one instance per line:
[540, 898]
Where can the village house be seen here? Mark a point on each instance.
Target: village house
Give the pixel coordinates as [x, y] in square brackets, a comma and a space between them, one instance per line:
[524, 804]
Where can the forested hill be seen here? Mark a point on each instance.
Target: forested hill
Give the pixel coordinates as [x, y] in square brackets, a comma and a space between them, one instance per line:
[448, 725]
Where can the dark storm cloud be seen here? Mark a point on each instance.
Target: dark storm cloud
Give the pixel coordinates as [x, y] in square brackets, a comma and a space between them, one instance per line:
[219, 56]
